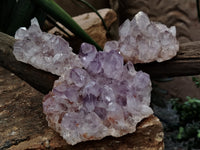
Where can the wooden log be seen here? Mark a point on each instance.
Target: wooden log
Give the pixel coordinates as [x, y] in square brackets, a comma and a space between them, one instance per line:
[23, 125]
[39, 79]
[187, 62]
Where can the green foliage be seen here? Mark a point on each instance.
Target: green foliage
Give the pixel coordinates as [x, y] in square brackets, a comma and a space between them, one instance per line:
[196, 81]
[180, 133]
[189, 116]
[191, 130]
[198, 134]
[188, 111]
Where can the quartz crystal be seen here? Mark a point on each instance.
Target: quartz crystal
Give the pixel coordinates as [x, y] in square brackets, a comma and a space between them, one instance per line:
[143, 41]
[43, 50]
[102, 98]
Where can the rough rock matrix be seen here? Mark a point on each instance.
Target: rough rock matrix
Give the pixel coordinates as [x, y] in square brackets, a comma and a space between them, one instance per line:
[103, 98]
[143, 41]
[43, 50]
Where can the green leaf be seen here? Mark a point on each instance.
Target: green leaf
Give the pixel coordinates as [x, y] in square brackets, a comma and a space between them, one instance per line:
[51, 20]
[63, 17]
[180, 133]
[198, 133]
[196, 80]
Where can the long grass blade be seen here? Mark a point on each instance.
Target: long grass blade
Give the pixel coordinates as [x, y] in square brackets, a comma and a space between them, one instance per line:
[51, 20]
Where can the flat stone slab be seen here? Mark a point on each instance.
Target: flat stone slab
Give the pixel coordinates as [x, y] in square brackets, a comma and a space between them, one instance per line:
[23, 125]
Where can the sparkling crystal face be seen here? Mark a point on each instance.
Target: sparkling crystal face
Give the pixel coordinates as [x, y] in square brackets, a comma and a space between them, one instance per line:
[103, 98]
[143, 41]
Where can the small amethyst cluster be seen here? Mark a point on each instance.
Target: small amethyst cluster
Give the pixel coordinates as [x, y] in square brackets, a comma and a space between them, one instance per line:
[103, 98]
[43, 50]
[144, 41]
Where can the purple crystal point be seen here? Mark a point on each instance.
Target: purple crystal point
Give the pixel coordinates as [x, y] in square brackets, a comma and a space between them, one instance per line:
[113, 65]
[95, 67]
[89, 102]
[101, 112]
[21, 33]
[103, 98]
[111, 45]
[78, 76]
[124, 29]
[141, 20]
[87, 53]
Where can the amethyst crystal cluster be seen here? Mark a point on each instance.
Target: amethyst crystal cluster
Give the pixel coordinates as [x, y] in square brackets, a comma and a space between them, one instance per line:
[103, 98]
[143, 41]
[43, 50]
[96, 94]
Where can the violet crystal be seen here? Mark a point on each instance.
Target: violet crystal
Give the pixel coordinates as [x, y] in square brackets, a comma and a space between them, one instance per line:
[43, 50]
[143, 41]
[103, 98]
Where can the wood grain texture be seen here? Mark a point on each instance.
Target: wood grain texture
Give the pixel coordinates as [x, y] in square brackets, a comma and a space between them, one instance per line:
[23, 125]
